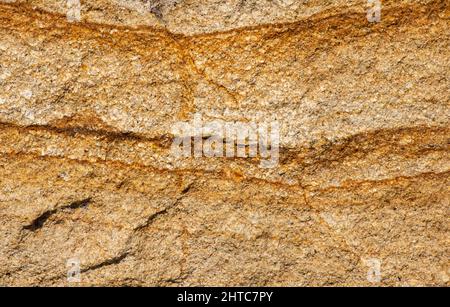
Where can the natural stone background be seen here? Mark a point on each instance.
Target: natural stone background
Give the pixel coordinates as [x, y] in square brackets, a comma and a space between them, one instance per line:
[86, 111]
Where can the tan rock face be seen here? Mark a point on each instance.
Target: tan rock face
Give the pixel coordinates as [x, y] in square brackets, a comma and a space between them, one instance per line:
[89, 182]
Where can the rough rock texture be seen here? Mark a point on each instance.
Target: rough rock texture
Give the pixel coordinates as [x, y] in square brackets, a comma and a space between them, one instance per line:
[86, 170]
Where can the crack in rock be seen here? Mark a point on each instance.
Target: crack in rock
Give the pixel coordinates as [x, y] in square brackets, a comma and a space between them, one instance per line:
[39, 222]
[112, 261]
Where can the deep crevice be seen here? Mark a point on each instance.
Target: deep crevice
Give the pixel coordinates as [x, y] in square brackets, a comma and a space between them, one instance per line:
[108, 262]
[42, 219]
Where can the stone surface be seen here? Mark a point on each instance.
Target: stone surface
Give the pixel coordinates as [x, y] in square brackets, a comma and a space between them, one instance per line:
[87, 172]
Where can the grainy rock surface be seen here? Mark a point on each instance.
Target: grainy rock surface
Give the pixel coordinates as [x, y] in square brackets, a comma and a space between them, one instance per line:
[361, 192]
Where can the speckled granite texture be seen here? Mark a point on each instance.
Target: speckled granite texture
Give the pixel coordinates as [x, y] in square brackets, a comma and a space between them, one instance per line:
[360, 195]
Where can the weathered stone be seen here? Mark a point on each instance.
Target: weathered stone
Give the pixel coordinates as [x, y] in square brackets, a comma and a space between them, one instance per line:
[87, 110]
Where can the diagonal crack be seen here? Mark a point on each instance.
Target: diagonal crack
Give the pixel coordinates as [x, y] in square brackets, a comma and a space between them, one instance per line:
[197, 72]
[155, 215]
[39, 222]
[151, 218]
[123, 255]
[112, 261]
